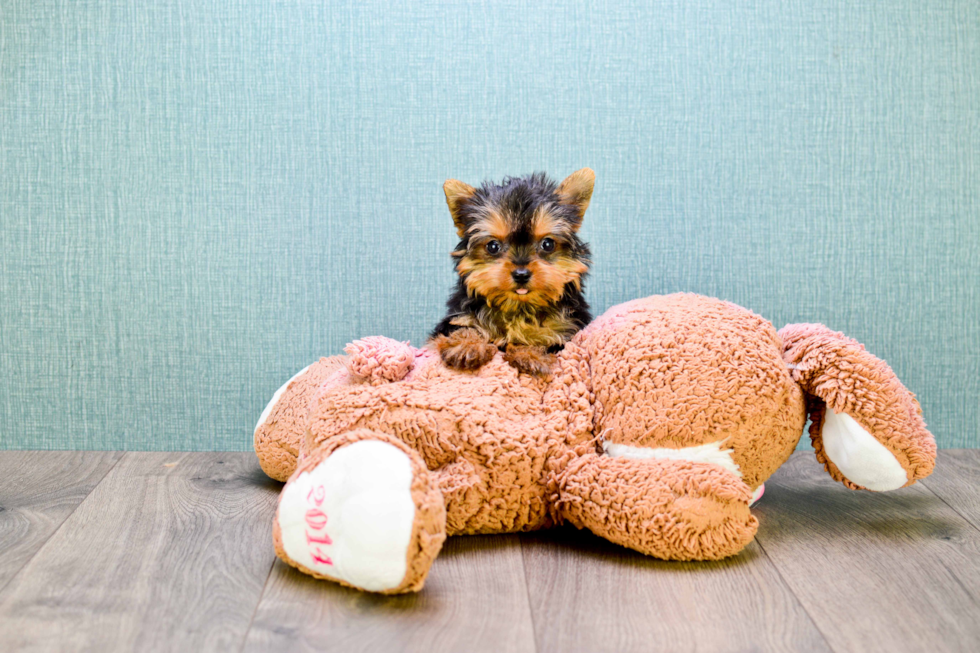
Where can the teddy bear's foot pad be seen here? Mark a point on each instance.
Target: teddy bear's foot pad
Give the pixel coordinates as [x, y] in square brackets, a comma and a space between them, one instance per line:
[350, 518]
[859, 456]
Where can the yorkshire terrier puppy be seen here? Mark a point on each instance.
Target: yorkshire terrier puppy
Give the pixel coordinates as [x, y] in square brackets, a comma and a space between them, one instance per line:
[521, 268]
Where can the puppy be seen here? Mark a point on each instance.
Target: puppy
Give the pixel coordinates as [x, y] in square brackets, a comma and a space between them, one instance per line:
[521, 268]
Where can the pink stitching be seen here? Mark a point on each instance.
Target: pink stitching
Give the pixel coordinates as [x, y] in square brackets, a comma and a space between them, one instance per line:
[316, 494]
[325, 539]
[316, 519]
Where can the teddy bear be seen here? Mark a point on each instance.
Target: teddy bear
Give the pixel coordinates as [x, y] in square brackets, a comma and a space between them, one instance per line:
[655, 429]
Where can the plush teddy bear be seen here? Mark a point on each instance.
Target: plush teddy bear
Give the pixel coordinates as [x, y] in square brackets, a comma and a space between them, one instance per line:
[657, 425]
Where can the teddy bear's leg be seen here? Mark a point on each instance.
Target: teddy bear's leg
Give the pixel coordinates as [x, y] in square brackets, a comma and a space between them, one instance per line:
[362, 510]
[670, 509]
[866, 427]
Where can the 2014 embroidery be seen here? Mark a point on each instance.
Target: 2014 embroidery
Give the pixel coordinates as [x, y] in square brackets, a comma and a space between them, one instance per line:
[316, 520]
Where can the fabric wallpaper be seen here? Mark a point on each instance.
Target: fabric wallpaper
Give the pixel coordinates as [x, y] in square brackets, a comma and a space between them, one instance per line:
[200, 197]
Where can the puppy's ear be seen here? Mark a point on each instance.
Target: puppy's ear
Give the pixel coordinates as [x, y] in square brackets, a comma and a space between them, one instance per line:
[576, 191]
[457, 193]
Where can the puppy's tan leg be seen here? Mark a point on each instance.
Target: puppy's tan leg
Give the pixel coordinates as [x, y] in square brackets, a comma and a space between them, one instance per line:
[464, 349]
[530, 359]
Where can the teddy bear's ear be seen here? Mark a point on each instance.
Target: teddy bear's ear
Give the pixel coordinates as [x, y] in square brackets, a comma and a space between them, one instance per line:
[576, 191]
[457, 193]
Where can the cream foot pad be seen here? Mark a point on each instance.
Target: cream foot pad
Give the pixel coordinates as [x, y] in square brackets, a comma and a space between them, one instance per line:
[351, 517]
[859, 456]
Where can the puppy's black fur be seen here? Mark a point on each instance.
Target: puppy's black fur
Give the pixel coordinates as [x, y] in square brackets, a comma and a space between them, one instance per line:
[521, 269]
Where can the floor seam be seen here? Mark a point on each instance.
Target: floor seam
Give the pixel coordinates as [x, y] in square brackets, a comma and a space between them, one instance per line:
[60, 525]
[255, 611]
[785, 582]
[799, 601]
[950, 506]
[527, 594]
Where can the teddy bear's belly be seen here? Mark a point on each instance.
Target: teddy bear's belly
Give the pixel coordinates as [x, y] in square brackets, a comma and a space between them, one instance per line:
[492, 473]
[504, 493]
[486, 438]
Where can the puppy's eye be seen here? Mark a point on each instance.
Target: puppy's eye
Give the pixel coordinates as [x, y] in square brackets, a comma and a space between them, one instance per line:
[493, 247]
[547, 245]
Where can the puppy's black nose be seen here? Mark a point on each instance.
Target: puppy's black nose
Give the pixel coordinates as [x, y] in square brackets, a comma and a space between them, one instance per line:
[521, 275]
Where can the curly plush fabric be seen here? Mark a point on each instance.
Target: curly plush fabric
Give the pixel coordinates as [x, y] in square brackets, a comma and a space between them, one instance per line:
[280, 430]
[701, 370]
[490, 463]
[839, 373]
[655, 427]
[379, 360]
[689, 511]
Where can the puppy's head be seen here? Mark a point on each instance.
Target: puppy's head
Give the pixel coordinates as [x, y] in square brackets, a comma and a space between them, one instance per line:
[518, 240]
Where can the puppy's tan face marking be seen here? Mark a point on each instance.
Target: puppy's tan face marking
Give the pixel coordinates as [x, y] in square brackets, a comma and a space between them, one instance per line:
[488, 278]
[493, 280]
[490, 225]
[545, 223]
[497, 246]
[548, 278]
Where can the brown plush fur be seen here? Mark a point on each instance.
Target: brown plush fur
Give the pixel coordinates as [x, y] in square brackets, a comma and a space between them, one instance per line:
[278, 437]
[506, 452]
[838, 372]
[711, 371]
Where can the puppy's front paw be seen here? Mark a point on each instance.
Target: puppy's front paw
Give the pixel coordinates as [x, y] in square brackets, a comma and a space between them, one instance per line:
[465, 349]
[528, 359]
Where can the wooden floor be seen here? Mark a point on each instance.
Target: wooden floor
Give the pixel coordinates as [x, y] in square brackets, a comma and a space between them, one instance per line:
[104, 551]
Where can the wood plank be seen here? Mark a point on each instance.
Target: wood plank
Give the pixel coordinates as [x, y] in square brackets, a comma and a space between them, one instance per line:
[892, 571]
[38, 490]
[474, 600]
[957, 482]
[169, 551]
[588, 594]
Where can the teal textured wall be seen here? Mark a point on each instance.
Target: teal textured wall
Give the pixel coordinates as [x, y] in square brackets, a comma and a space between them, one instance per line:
[199, 198]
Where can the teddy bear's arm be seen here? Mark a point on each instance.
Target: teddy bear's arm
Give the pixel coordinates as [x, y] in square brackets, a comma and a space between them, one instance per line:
[670, 509]
[379, 360]
[866, 427]
[279, 431]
